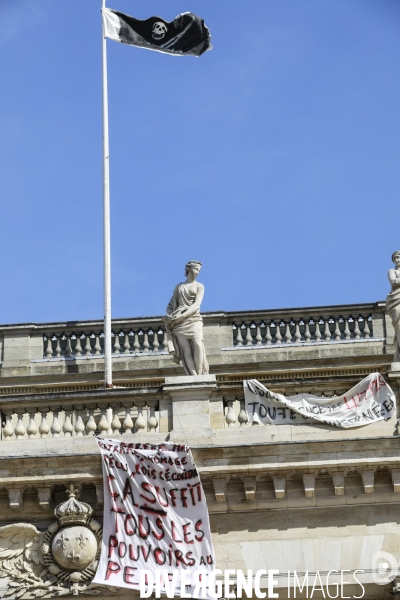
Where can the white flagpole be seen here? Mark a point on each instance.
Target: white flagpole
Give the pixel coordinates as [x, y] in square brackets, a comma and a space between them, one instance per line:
[106, 217]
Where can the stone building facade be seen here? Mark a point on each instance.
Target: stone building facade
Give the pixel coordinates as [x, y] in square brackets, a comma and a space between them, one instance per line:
[305, 497]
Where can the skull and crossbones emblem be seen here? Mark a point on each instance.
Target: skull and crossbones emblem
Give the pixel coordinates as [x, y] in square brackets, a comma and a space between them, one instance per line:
[159, 30]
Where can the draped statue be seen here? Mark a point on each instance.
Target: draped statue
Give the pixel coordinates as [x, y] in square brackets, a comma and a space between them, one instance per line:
[393, 302]
[185, 325]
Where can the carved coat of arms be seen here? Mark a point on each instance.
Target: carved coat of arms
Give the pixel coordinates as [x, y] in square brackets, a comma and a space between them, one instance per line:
[61, 561]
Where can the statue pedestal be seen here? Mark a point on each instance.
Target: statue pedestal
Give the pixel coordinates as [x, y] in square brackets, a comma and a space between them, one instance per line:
[191, 407]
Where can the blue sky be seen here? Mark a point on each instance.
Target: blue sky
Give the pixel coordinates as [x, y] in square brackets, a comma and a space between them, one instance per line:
[274, 159]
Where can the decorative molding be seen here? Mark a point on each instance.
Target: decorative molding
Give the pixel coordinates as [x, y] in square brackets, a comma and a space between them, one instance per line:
[15, 495]
[44, 494]
[309, 485]
[279, 486]
[338, 482]
[368, 480]
[250, 487]
[297, 376]
[220, 489]
[396, 480]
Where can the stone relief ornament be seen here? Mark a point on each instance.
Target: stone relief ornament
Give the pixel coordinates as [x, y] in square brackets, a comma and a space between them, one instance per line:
[61, 561]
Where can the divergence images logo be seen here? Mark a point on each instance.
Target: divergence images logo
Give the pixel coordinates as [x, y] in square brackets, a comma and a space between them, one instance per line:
[384, 568]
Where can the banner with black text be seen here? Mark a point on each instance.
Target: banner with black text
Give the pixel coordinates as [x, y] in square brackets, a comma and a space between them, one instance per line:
[369, 401]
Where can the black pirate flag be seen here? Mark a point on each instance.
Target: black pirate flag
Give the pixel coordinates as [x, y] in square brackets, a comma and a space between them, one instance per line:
[186, 34]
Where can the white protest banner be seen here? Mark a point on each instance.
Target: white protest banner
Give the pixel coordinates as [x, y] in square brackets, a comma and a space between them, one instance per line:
[369, 401]
[155, 517]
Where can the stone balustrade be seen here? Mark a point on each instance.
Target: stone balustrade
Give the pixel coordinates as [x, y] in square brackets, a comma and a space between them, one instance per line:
[75, 343]
[80, 420]
[261, 329]
[311, 327]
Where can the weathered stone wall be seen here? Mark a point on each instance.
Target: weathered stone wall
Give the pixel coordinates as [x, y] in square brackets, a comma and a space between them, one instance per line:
[307, 496]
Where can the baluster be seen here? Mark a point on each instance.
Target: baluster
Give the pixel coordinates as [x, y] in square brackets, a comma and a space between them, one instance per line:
[156, 343]
[136, 343]
[152, 422]
[146, 345]
[307, 332]
[49, 347]
[243, 417]
[55, 426]
[258, 335]
[127, 424]
[117, 345]
[115, 423]
[68, 347]
[327, 331]
[268, 336]
[102, 339]
[31, 430]
[347, 334]
[19, 428]
[88, 346]
[288, 335]
[165, 341]
[127, 343]
[63, 348]
[249, 337]
[150, 338]
[140, 423]
[91, 424]
[141, 339]
[278, 335]
[78, 347]
[297, 334]
[337, 333]
[357, 332]
[8, 429]
[44, 426]
[239, 339]
[67, 425]
[366, 331]
[103, 423]
[58, 346]
[230, 416]
[79, 424]
[97, 345]
[317, 334]
[351, 327]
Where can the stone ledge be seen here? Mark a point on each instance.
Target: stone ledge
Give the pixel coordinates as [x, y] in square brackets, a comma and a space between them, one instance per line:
[302, 345]
[190, 382]
[190, 379]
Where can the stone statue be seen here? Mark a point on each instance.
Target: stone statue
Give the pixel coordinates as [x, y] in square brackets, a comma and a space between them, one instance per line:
[185, 325]
[393, 302]
[61, 561]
